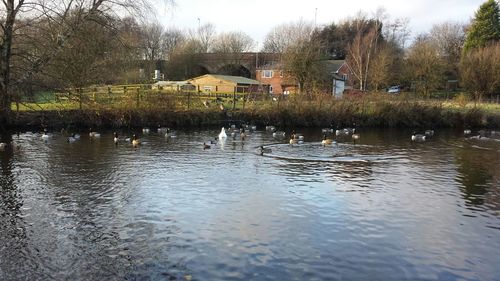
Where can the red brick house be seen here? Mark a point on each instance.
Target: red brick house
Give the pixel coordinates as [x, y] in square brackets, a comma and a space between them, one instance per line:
[277, 82]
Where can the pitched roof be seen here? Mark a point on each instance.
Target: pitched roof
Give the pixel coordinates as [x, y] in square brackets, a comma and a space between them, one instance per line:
[234, 79]
[334, 65]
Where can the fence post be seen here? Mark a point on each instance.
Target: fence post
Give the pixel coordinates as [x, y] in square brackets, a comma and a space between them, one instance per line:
[234, 98]
[80, 94]
[138, 97]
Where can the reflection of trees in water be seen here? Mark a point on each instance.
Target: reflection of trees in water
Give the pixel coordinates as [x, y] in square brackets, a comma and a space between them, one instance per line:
[13, 235]
[479, 174]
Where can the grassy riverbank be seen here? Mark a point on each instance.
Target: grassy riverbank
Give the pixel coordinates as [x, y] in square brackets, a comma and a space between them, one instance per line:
[368, 111]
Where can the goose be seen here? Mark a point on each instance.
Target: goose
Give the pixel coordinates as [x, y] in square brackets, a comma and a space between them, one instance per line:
[417, 137]
[279, 134]
[135, 141]
[293, 141]
[93, 134]
[115, 138]
[222, 134]
[242, 134]
[263, 150]
[161, 129]
[296, 136]
[72, 138]
[429, 133]
[2, 145]
[169, 133]
[270, 128]
[45, 136]
[326, 141]
[355, 137]
[206, 146]
[328, 130]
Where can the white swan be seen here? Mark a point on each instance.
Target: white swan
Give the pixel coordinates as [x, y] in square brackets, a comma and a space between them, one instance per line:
[222, 134]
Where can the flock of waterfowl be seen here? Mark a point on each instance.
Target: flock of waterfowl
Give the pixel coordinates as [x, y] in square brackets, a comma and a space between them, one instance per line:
[240, 132]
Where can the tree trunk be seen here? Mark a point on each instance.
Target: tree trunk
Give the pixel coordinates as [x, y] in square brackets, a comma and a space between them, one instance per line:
[5, 56]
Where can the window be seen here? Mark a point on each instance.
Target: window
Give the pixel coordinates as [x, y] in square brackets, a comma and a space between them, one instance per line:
[270, 89]
[267, 73]
[345, 76]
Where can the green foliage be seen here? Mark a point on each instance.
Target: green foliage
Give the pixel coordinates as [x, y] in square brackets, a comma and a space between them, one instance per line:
[485, 26]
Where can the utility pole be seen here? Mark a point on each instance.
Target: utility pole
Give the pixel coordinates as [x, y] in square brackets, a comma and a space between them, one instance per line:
[315, 15]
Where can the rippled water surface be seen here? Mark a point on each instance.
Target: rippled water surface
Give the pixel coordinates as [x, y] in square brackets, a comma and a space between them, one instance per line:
[383, 208]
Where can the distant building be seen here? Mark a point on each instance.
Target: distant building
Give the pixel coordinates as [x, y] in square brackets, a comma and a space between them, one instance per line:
[173, 86]
[225, 84]
[275, 81]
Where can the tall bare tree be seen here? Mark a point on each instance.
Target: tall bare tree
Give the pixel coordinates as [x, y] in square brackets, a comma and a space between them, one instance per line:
[362, 49]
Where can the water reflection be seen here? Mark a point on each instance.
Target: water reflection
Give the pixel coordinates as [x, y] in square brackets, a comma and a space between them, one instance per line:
[385, 207]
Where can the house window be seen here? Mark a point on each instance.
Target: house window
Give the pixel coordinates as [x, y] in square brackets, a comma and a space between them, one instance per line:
[345, 76]
[267, 73]
[270, 89]
[207, 88]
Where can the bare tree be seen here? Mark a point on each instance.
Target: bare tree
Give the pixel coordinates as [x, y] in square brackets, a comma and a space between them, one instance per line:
[449, 38]
[204, 35]
[153, 41]
[361, 51]
[173, 38]
[56, 13]
[232, 42]
[424, 66]
[480, 70]
[285, 35]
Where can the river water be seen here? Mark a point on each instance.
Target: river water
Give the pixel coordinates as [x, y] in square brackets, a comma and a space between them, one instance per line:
[383, 208]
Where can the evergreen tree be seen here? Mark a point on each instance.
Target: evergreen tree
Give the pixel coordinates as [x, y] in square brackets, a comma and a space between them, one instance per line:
[485, 27]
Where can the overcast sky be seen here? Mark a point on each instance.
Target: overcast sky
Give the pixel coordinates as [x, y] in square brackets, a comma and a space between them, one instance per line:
[257, 17]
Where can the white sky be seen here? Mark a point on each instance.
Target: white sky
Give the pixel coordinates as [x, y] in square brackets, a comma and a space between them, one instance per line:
[257, 17]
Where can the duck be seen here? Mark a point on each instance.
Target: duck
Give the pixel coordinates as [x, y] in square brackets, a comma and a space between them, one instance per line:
[135, 141]
[115, 138]
[263, 150]
[145, 130]
[94, 134]
[293, 141]
[206, 146]
[326, 141]
[467, 132]
[417, 137]
[214, 141]
[222, 134]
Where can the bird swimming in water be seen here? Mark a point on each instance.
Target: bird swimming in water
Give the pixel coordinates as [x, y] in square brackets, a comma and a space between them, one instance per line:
[222, 134]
